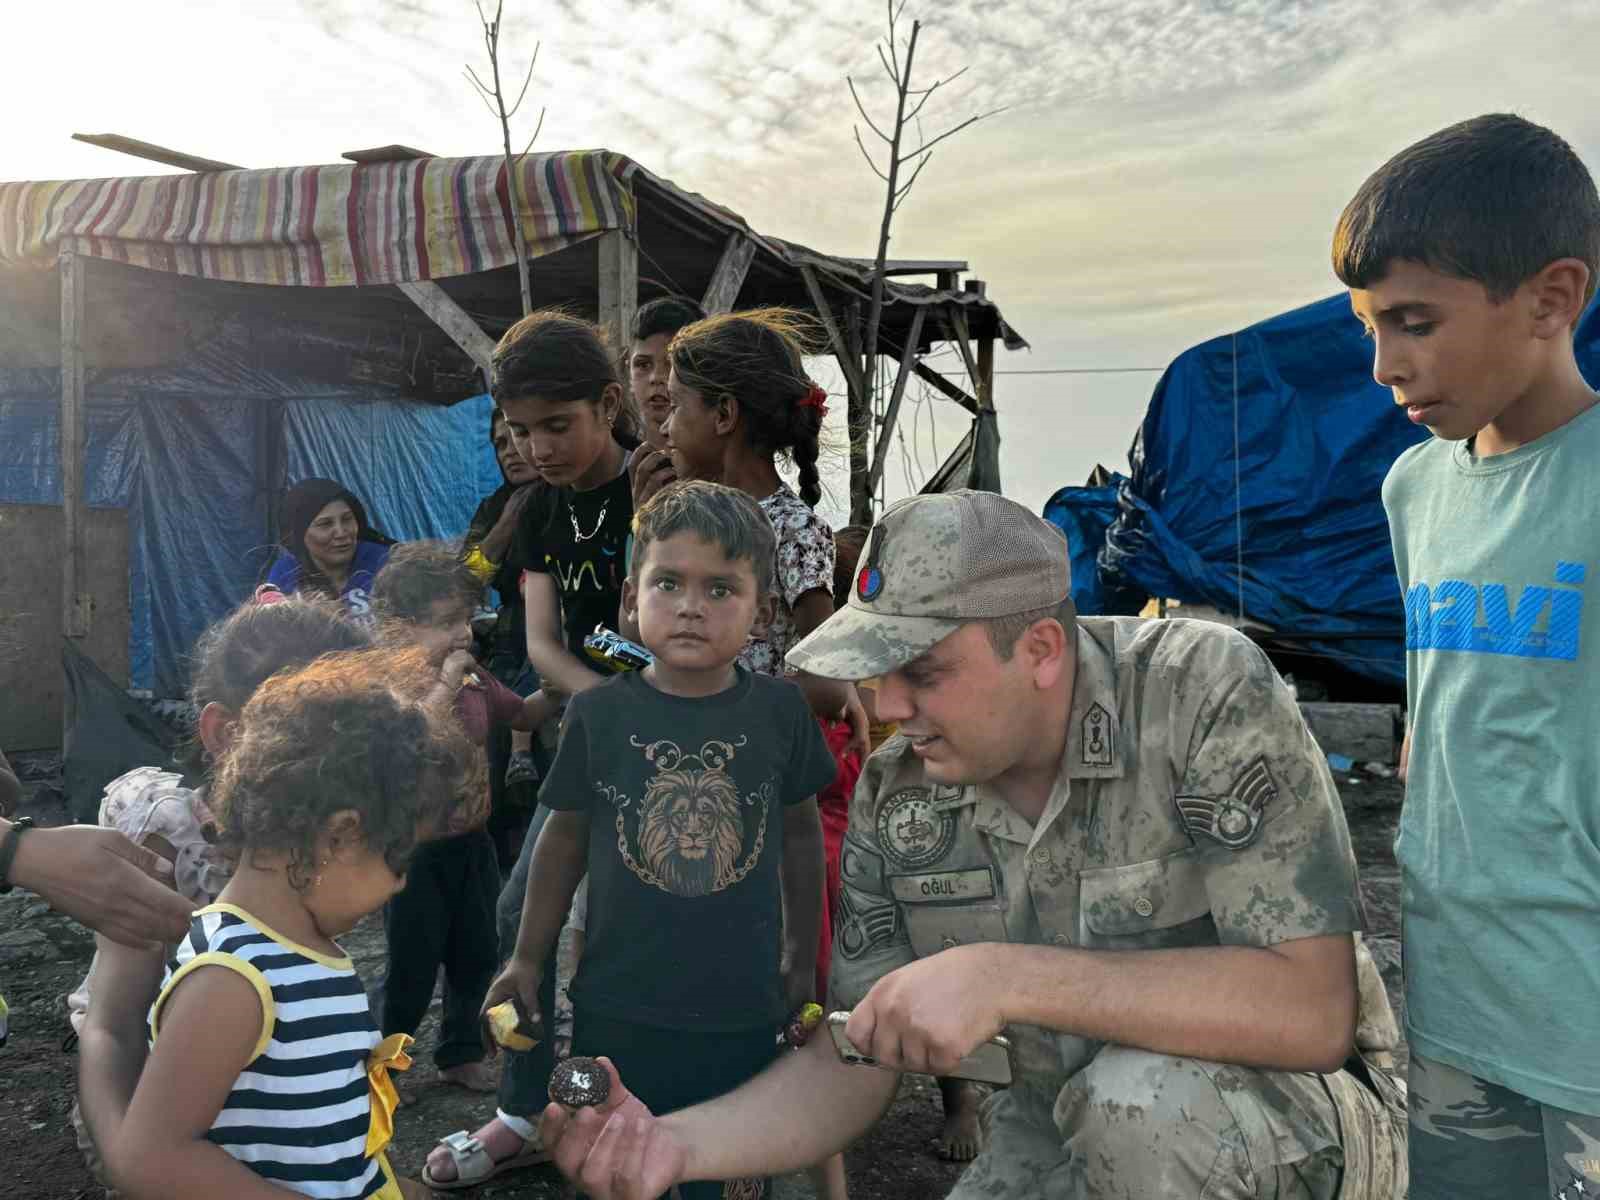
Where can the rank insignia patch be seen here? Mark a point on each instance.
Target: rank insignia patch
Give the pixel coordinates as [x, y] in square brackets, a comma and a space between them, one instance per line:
[1233, 820]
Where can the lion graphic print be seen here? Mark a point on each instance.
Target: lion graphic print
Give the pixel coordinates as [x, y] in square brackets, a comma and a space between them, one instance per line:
[691, 822]
[686, 800]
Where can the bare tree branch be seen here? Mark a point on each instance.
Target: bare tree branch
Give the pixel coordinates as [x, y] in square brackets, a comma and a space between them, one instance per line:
[864, 383]
[861, 108]
[491, 42]
[868, 157]
[534, 138]
[893, 72]
[954, 130]
[527, 79]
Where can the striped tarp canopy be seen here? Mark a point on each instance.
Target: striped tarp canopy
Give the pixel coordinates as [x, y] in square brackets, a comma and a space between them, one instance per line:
[324, 226]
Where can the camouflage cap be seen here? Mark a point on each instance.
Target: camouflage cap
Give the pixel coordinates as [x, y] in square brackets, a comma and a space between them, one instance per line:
[931, 565]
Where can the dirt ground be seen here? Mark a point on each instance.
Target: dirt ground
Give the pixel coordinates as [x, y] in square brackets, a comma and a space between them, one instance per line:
[43, 956]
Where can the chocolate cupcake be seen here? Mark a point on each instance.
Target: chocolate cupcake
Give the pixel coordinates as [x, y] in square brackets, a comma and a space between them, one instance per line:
[580, 1083]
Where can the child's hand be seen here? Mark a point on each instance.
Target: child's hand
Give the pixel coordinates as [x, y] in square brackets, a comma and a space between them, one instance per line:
[455, 668]
[518, 982]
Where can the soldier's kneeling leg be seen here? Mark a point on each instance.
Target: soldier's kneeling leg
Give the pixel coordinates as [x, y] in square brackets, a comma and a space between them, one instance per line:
[1138, 1125]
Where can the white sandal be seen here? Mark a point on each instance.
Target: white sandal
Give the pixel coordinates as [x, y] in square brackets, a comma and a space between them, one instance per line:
[474, 1165]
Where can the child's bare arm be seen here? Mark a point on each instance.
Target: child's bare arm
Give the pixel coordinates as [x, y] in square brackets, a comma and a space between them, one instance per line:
[558, 667]
[214, 1019]
[802, 877]
[536, 710]
[112, 1047]
[560, 858]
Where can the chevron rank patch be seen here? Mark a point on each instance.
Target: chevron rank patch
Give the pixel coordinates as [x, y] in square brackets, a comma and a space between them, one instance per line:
[1233, 820]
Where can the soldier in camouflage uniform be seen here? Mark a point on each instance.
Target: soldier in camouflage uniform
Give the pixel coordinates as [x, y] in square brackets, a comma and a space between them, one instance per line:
[1114, 841]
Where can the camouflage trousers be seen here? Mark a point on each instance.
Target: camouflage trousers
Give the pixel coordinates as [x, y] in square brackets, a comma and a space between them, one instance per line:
[1133, 1125]
[1471, 1138]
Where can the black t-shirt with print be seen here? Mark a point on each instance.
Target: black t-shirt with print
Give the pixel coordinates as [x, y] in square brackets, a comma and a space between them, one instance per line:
[686, 799]
[577, 538]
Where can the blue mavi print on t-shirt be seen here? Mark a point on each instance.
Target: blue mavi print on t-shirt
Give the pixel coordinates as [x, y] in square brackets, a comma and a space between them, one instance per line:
[1480, 619]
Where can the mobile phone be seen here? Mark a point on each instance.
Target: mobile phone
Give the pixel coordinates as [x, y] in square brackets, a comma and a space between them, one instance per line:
[614, 652]
[989, 1063]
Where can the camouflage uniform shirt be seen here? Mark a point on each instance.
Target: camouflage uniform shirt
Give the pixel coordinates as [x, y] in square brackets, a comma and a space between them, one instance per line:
[1192, 808]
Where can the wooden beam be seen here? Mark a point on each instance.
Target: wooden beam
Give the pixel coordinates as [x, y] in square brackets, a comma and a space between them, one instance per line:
[453, 319]
[149, 150]
[728, 278]
[908, 358]
[956, 326]
[619, 291]
[913, 266]
[949, 390]
[983, 381]
[76, 605]
[848, 363]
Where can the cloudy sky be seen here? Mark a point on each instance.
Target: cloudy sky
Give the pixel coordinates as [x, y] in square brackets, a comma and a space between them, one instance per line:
[1165, 170]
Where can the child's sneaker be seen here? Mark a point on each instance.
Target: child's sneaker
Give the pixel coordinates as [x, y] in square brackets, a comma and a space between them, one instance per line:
[520, 768]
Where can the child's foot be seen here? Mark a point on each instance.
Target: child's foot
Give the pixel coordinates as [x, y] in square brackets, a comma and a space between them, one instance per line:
[520, 768]
[474, 1076]
[960, 1139]
[502, 1147]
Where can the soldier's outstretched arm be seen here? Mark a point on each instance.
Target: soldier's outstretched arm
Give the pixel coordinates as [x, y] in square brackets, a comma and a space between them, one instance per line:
[1291, 1006]
[797, 1112]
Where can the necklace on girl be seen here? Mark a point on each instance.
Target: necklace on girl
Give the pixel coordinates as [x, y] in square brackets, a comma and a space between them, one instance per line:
[577, 534]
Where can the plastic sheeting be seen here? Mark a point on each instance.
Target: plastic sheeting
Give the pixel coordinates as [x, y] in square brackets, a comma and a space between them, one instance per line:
[1277, 497]
[1084, 514]
[184, 451]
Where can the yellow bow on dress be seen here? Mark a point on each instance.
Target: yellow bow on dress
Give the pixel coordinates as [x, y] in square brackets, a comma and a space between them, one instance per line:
[388, 1055]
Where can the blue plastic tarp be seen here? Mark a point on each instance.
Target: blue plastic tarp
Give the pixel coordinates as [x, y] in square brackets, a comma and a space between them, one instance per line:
[1084, 514]
[180, 450]
[1257, 474]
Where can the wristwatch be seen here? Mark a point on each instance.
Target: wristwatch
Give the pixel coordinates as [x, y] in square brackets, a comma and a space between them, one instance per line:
[8, 850]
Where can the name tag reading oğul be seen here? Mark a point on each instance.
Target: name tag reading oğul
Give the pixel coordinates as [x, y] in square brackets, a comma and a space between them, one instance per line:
[933, 886]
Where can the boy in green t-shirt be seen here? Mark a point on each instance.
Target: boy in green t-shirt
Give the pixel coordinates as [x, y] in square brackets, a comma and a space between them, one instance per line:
[1470, 258]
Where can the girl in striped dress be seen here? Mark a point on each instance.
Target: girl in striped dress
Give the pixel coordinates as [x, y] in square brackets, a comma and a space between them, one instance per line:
[267, 1075]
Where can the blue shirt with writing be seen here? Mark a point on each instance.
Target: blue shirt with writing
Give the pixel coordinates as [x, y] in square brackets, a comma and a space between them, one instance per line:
[1499, 843]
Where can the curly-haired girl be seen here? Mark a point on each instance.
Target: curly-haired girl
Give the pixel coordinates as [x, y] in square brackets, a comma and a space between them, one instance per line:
[266, 1074]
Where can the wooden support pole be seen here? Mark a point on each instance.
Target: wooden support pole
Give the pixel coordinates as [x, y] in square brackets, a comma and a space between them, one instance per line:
[619, 291]
[947, 389]
[728, 278]
[984, 381]
[849, 364]
[76, 606]
[453, 319]
[908, 358]
[956, 326]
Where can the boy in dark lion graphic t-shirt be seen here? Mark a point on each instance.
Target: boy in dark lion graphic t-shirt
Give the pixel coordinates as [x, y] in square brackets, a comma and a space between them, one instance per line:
[688, 793]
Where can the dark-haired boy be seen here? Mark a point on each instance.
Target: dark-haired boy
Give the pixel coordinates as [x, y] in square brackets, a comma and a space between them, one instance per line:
[648, 368]
[445, 914]
[687, 791]
[1470, 257]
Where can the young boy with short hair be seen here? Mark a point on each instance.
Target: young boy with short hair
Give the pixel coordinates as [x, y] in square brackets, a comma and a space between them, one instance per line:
[688, 792]
[445, 914]
[1470, 257]
[648, 366]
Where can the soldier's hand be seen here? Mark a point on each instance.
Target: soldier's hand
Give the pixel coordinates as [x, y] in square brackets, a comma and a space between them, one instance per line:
[617, 1150]
[932, 1013]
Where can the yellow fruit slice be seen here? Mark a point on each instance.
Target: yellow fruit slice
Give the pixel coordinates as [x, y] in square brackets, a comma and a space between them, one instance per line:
[503, 1022]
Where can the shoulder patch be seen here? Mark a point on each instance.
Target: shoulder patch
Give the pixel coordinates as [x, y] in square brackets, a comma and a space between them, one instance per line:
[1233, 820]
[1095, 736]
[912, 831]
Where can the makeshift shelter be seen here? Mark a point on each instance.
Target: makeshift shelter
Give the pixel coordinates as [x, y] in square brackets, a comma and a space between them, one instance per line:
[202, 340]
[1255, 489]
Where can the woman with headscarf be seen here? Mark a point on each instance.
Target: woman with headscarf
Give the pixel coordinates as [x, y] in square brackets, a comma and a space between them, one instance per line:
[328, 545]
